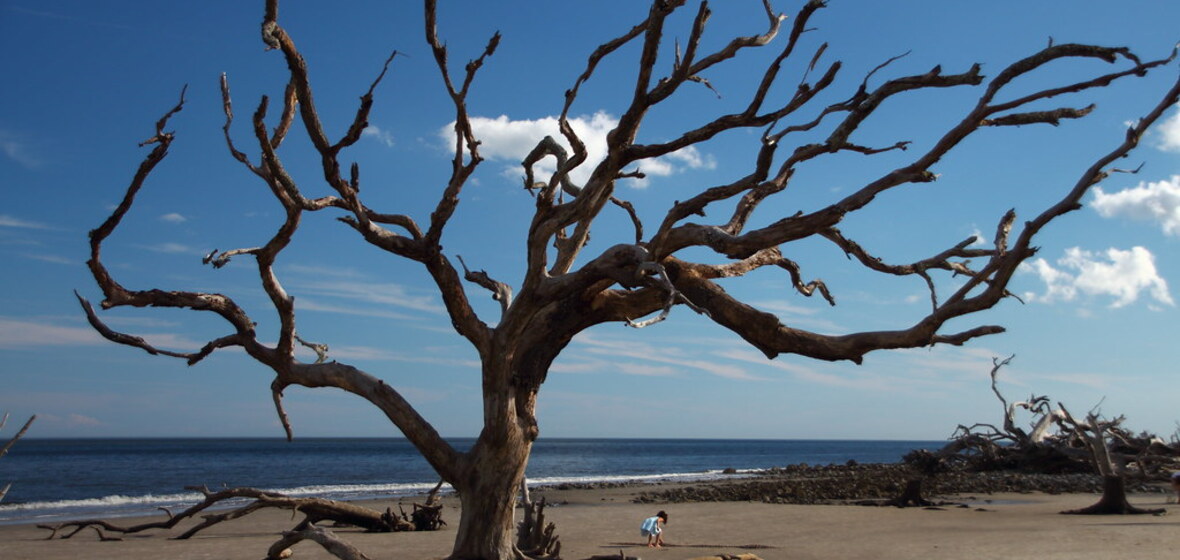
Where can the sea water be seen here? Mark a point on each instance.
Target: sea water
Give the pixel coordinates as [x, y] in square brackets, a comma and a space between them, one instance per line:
[58, 479]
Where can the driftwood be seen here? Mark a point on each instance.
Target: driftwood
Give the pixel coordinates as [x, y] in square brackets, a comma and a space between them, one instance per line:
[1057, 442]
[534, 538]
[4, 449]
[619, 556]
[425, 517]
[325, 538]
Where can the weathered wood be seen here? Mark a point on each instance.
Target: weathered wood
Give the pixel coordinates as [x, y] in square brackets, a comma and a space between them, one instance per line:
[314, 510]
[645, 274]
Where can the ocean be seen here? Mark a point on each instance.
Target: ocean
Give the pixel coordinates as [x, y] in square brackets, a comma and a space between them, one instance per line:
[61, 479]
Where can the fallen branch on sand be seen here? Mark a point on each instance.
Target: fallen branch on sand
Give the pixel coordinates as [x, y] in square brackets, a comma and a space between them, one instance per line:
[424, 517]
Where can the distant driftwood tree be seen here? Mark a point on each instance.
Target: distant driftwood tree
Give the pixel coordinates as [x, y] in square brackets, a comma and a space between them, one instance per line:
[1059, 442]
[647, 273]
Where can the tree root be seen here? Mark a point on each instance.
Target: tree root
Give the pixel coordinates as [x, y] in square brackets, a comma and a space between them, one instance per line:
[534, 539]
[1114, 501]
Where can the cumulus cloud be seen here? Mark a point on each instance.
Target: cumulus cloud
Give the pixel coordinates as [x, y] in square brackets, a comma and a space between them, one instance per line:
[1122, 275]
[509, 141]
[173, 218]
[1157, 202]
[1170, 132]
[382, 136]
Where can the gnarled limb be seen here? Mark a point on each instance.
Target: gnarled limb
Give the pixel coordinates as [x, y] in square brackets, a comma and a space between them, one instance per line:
[638, 275]
[323, 537]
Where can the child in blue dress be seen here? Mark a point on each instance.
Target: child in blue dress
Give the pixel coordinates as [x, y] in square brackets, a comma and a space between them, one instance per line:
[653, 529]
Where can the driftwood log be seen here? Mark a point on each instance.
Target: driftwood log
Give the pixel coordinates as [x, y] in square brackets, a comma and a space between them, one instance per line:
[424, 517]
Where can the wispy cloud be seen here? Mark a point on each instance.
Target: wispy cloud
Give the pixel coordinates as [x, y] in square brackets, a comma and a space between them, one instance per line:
[173, 249]
[51, 259]
[308, 304]
[386, 355]
[322, 271]
[382, 136]
[628, 355]
[1156, 202]
[14, 222]
[799, 316]
[384, 293]
[173, 218]
[509, 141]
[25, 334]
[1122, 275]
[15, 149]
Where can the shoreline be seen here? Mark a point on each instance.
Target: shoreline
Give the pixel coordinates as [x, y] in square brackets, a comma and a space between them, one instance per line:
[604, 520]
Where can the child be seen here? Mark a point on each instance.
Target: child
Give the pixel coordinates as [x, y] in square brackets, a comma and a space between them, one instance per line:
[1176, 485]
[652, 529]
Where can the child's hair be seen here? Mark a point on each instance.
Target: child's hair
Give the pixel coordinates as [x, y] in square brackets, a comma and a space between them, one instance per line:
[663, 516]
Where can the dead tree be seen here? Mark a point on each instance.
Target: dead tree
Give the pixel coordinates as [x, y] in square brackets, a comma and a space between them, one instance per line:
[4, 450]
[1055, 442]
[1094, 433]
[647, 271]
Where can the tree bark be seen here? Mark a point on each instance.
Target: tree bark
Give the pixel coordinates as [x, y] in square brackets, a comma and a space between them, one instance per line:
[487, 499]
[1113, 501]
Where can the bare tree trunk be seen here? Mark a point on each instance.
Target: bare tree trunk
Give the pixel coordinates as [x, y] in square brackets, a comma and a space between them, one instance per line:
[1113, 501]
[494, 468]
[488, 501]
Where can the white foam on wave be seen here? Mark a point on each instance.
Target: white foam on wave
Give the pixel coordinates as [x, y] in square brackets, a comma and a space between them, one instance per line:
[122, 506]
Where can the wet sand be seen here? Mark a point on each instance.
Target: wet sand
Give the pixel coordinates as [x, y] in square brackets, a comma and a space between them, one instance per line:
[604, 521]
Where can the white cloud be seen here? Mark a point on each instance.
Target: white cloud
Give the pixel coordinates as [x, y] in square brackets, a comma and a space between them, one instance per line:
[20, 333]
[980, 240]
[307, 304]
[173, 218]
[638, 358]
[171, 248]
[1120, 274]
[15, 149]
[369, 292]
[11, 221]
[1170, 132]
[1147, 202]
[81, 420]
[52, 259]
[382, 136]
[509, 141]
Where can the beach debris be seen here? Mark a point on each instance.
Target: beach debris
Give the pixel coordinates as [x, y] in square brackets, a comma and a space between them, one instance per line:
[319, 535]
[743, 556]
[1058, 441]
[425, 517]
[11, 442]
[534, 538]
[619, 556]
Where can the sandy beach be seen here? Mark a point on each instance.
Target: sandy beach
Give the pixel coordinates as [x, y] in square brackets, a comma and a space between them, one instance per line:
[604, 521]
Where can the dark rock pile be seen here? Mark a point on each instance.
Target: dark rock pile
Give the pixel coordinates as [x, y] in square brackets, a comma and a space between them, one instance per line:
[803, 484]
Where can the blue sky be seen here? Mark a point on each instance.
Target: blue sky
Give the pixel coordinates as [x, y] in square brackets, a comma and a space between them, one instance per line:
[85, 81]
